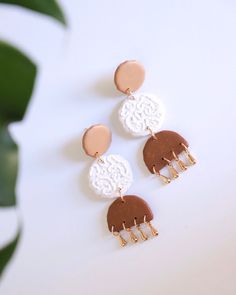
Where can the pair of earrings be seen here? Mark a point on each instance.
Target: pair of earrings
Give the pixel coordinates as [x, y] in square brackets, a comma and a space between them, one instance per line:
[111, 176]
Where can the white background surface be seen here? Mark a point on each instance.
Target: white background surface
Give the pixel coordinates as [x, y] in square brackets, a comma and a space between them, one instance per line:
[188, 49]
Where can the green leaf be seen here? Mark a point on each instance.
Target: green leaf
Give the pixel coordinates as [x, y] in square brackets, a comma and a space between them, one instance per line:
[7, 252]
[48, 7]
[17, 76]
[8, 170]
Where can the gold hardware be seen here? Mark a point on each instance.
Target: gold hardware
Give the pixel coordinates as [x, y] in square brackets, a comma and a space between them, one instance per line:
[120, 194]
[152, 228]
[163, 178]
[151, 133]
[144, 237]
[130, 94]
[172, 170]
[122, 241]
[133, 237]
[190, 158]
[99, 159]
[180, 163]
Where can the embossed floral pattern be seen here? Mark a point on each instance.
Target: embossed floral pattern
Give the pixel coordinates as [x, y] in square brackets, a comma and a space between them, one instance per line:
[110, 175]
[141, 112]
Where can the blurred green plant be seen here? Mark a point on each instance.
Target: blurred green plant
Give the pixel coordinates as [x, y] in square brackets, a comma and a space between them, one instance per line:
[17, 78]
[17, 74]
[7, 252]
[48, 7]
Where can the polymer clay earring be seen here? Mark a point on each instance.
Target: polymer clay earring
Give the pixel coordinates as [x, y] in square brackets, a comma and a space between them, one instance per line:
[110, 176]
[142, 114]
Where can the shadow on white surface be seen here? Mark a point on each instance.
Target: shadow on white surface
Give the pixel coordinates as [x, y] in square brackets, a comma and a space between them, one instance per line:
[105, 87]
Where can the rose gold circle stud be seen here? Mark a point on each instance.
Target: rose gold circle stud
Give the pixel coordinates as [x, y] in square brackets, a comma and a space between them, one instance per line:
[96, 140]
[129, 76]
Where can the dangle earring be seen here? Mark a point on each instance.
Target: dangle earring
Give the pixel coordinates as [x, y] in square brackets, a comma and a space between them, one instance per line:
[142, 114]
[110, 176]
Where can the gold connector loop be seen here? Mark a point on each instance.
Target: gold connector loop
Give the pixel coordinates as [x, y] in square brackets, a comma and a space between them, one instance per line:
[122, 241]
[151, 133]
[163, 178]
[190, 158]
[98, 158]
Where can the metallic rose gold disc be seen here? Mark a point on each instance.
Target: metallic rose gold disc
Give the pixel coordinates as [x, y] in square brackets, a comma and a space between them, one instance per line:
[129, 76]
[96, 140]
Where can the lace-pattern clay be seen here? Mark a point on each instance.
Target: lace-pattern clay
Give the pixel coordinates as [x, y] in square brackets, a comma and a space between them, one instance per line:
[143, 114]
[111, 176]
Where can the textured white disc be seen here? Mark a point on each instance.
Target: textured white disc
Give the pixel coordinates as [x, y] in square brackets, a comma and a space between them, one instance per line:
[145, 110]
[110, 174]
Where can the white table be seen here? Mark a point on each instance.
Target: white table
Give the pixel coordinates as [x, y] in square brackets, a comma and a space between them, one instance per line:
[188, 49]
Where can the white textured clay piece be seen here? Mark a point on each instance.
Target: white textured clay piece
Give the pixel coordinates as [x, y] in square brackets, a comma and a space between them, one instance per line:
[110, 176]
[142, 113]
